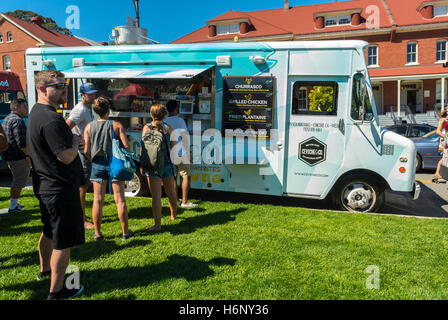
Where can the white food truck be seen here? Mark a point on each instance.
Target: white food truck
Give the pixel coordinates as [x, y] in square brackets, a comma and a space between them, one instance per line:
[293, 119]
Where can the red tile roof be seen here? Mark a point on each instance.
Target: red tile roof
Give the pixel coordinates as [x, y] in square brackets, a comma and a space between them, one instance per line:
[299, 20]
[407, 71]
[229, 15]
[408, 15]
[46, 35]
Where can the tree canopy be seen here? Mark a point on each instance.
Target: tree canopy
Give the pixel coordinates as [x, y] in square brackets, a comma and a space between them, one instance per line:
[48, 23]
[321, 98]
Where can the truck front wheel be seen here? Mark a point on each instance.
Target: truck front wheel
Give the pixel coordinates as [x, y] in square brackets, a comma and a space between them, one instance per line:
[135, 187]
[359, 193]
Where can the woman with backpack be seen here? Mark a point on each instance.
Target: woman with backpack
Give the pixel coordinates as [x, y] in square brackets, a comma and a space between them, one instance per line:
[98, 148]
[156, 145]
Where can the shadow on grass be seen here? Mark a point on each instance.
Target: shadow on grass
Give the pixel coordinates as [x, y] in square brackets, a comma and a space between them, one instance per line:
[22, 195]
[14, 232]
[9, 220]
[175, 267]
[96, 249]
[190, 225]
[251, 198]
[85, 252]
[104, 280]
[146, 212]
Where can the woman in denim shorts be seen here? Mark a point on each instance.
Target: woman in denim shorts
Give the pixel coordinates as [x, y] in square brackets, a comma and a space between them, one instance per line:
[158, 113]
[98, 147]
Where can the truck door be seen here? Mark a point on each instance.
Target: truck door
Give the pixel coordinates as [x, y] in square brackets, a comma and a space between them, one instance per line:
[315, 147]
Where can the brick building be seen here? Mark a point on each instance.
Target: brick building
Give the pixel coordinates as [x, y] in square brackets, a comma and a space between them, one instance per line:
[17, 35]
[407, 42]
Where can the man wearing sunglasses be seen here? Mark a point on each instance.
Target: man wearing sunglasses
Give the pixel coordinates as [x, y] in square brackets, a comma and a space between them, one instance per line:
[79, 117]
[57, 175]
[17, 155]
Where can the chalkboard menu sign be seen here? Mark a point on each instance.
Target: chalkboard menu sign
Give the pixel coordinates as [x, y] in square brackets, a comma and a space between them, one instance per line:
[248, 104]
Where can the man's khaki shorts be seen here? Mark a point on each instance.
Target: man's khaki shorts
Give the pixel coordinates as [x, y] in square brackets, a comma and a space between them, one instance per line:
[20, 170]
[183, 170]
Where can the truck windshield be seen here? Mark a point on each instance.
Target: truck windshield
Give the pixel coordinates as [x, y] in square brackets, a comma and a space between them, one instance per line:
[361, 106]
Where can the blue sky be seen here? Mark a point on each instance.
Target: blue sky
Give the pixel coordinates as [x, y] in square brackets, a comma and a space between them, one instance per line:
[165, 20]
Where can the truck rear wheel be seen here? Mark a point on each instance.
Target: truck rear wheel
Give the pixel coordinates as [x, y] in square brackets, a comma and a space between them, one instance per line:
[135, 187]
[360, 193]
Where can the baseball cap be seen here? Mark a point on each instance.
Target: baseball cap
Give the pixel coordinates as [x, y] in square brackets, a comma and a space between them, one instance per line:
[87, 88]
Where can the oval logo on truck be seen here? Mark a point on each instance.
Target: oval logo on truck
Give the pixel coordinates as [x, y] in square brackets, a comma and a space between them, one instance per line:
[312, 151]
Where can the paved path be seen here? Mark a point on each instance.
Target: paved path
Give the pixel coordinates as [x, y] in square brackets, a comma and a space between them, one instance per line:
[433, 200]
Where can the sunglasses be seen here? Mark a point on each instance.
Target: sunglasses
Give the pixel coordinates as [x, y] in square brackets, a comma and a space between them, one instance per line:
[59, 86]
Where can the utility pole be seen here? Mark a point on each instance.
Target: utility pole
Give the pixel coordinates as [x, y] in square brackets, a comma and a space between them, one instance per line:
[137, 17]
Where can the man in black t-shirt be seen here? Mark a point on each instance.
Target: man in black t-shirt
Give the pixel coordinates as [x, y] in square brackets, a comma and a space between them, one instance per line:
[56, 178]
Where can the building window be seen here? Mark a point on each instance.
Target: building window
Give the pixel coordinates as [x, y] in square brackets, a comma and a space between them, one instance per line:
[330, 22]
[6, 63]
[372, 55]
[337, 21]
[440, 11]
[441, 50]
[411, 52]
[344, 20]
[439, 91]
[302, 99]
[9, 36]
[1, 37]
[227, 28]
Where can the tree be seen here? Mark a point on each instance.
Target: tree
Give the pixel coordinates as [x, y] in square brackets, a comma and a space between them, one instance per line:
[321, 98]
[48, 23]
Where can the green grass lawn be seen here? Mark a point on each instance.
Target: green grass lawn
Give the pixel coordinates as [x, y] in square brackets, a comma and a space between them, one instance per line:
[223, 250]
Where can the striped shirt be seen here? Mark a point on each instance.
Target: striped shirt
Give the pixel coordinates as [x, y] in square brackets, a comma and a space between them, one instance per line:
[15, 130]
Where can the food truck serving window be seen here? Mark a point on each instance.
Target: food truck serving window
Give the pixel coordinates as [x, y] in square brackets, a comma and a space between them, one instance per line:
[314, 98]
[131, 98]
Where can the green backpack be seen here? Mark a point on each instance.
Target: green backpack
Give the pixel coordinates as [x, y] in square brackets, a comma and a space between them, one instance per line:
[154, 151]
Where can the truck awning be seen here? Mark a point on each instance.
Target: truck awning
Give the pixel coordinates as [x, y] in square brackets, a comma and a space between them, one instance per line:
[149, 72]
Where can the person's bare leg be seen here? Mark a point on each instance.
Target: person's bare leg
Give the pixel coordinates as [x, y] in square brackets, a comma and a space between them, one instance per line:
[437, 173]
[99, 190]
[82, 196]
[120, 201]
[45, 251]
[15, 192]
[185, 189]
[155, 186]
[59, 263]
[169, 184]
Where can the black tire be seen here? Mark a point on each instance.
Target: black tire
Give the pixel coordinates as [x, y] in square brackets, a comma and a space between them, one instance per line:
[136, 187]
[358, 193]
[418, 165]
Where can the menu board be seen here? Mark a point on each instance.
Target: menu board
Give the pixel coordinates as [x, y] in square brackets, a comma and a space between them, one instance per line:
[248, 103]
